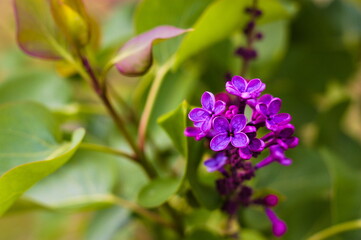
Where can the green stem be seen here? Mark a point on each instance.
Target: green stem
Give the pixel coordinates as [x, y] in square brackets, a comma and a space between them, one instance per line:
[152, 96]
[106, 149]
[143, 212]
[336, 229]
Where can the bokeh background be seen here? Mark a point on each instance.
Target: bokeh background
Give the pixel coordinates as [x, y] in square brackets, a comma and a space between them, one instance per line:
[310, 57]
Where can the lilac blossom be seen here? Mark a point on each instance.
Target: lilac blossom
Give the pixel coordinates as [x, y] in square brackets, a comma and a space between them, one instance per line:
[229, 133]
[243, 89]
[269, 111]
[221, 121]
[202, 117]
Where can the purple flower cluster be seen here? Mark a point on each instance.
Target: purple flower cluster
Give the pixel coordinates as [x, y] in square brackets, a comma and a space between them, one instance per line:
[234, 139]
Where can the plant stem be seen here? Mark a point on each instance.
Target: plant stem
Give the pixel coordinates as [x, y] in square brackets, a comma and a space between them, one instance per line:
[336, 229]
[143, 212]
[102, 94]
[106, 149]
[144, 120]
[249, 45]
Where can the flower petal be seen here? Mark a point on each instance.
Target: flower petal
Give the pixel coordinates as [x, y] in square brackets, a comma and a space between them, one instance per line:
[254, 85]
[198, 115]
[220, 142]
[231, 89]
[219, 107]
[262, 108]
[274, 106]
[221, 124]
[238, 122]
[282, 118]
[245, 153]
[256, 145]
[216, 163]
[208, 101]
[267, 98]
[207, 124]
[240, 140]
[239, 83]
[286, 131]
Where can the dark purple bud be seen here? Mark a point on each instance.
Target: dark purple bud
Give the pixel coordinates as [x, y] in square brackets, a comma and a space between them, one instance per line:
[270, 200]
[259, 36]
[246, 53]
[249, 27]
[279, 227]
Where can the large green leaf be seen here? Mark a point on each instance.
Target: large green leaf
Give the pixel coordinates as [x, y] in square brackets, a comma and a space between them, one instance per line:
[42, 87]
[86, 181]
[216, 23]
[158, 192]
[174, 124]
[31, 148]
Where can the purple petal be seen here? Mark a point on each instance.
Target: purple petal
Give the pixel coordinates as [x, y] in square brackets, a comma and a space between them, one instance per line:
[292, 142]
[219, 107]
[216, 163]
[262, 108]
[285, 161]
[240, 140]
[135, 57]
[239, 83]
[282, 118]
[194, 132]
[221, 124]
[207, 124]
[198, 115]
[256, 145]
[231, 89]
[274, 106]
[245, 153]
[223, 97]
[208, 101]
[220, 142]
[267, 98]
[286, 131]
[254, 85]
[238, 122]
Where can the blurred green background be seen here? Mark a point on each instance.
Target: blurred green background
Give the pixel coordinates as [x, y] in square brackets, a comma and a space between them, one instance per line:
[310, 57]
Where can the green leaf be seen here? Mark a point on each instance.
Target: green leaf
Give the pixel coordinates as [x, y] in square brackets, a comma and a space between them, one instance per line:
[218, 22]
[85, 182]
[107, 222]
[135, 56]
[37, 34]
[193, 150]
[31, 148]
[158, 192]
[44, 87]
[174, 124]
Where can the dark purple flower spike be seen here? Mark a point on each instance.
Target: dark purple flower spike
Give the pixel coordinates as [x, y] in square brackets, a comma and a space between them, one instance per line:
[279, 227]
[229, 133]
[202, 117]
[243, 89]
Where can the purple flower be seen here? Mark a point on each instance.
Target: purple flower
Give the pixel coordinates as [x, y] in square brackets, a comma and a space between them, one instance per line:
[202, 117]
[214, 164]
[229, 132]
[279, 227]
[255, 144]
[270, 200]
[285, 138]
[277, 154]
[270, 113]
[245, 90]
[194, 132]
